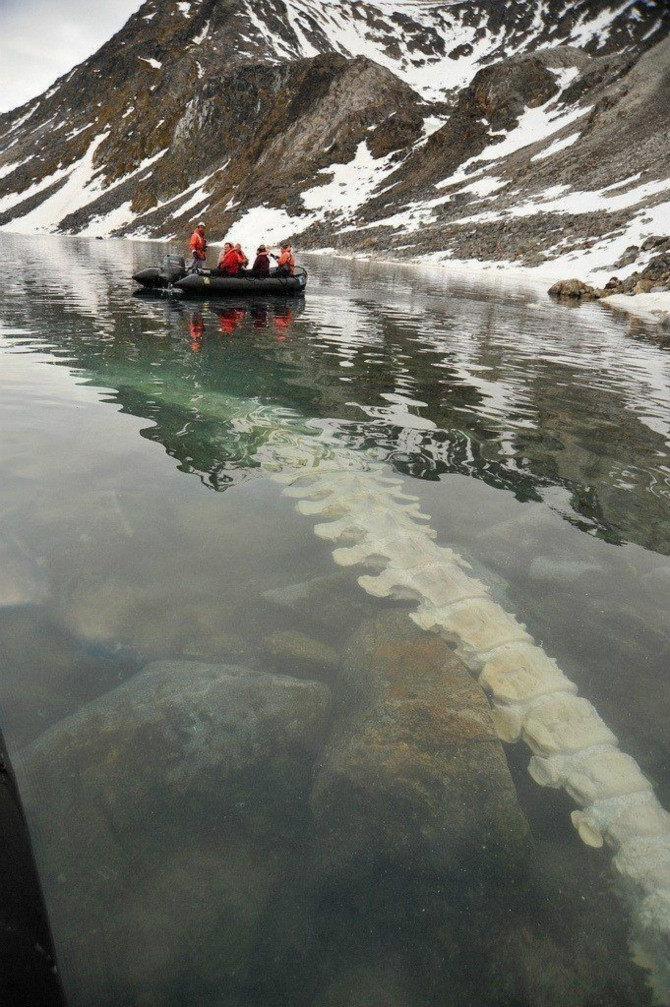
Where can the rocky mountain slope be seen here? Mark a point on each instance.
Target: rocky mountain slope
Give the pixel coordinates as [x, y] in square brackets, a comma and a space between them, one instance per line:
[412, 127]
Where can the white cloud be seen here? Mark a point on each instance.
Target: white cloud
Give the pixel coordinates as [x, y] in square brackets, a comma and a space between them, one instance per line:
[42, 39]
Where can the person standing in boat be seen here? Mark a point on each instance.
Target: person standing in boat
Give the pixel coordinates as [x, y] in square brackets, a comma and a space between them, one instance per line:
[261, 266]
[285, 262]
[198, 248]
[229, 261]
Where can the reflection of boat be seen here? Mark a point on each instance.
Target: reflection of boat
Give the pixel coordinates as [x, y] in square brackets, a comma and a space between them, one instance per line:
[172, 276]
[266, 313]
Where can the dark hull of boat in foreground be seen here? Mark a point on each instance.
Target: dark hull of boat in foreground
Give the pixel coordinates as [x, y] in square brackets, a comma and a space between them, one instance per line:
[205, 285]
[201, 285]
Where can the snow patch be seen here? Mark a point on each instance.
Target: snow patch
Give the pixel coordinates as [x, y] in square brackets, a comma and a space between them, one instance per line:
[431, 124]
[84, 185]
[266, 225]
[67, 199]
[7, 169]
[198, 193]
[484, 186]
[156, 64]
[351, 184]
[23, 119]
[649, 307]
[557, 146]
[535, 124]
[625, 181]
[202, 35]
[594, 201]
[103, 225]
[586, 31]
[75, 132]
[306, 46]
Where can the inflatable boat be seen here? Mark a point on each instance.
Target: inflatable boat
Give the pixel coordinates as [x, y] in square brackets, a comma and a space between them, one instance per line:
[173, 277]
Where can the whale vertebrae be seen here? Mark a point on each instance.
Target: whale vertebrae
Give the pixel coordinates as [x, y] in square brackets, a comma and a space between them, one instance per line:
[374, 522]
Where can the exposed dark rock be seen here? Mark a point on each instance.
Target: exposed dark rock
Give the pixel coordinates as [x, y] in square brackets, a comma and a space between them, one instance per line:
[628, 257]
[492, 103]
[172, 807]
[654, 278]
[613, 286]
[413, 773]
[658, 268]
[270, 130]
[574, 290]
[658, 241]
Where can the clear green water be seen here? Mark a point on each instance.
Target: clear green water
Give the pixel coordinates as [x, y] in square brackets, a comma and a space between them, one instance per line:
[136, 525]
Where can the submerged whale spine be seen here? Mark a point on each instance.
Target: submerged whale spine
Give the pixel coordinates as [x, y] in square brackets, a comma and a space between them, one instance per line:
[375, 523]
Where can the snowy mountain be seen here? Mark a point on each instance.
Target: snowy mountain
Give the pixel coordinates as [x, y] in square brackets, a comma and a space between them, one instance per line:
[489, 130]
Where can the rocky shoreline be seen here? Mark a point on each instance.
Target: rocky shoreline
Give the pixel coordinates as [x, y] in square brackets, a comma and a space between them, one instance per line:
[651, 282]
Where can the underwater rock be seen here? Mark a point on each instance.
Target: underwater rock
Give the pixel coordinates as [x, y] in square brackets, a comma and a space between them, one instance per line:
[300, 655]
[553, 947]
[332, 602]
[413, 771]
[167, 811]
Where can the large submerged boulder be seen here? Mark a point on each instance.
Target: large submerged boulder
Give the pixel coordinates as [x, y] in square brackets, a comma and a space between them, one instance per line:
[167, 812]
[413, 772]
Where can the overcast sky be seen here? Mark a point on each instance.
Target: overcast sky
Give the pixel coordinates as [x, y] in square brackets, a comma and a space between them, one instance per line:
[42, 39]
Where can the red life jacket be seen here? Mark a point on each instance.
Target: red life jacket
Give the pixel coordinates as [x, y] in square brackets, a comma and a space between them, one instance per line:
[230, 262]
[286, 259]
[198, 245]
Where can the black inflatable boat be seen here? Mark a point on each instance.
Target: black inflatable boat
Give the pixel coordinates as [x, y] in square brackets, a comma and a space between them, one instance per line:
[172, 276]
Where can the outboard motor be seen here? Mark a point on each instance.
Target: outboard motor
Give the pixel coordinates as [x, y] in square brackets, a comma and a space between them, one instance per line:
[173, 268]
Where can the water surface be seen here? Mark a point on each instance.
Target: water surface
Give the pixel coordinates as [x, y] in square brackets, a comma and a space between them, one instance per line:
[138, 524]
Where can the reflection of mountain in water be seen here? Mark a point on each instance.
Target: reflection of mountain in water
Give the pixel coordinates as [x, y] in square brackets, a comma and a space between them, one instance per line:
[434, 375]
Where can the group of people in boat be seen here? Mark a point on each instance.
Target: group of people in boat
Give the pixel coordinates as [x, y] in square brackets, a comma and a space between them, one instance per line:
[233, 261]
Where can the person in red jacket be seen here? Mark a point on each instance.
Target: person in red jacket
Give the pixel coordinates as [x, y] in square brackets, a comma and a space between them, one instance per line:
[244, 262]
[198, 248]
[229, 261]
[286, 262]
